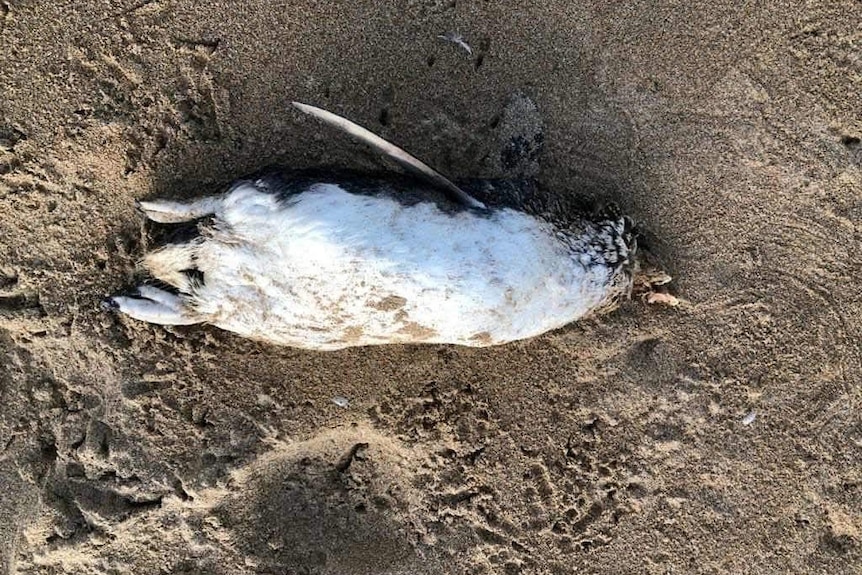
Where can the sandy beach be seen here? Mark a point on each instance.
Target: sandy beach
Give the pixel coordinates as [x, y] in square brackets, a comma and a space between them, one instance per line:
[720, 436]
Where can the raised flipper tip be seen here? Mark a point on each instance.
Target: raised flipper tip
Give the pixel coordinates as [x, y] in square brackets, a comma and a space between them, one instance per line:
[390, 150]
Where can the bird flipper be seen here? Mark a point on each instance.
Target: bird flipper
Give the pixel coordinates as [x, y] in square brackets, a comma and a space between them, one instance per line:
[403, 158]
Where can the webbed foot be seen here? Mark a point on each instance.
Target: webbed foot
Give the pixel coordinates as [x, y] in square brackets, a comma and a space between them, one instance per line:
[166, 212]
[152, 305]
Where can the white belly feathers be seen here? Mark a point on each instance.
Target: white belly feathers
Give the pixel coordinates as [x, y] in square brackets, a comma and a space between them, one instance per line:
[327, 269]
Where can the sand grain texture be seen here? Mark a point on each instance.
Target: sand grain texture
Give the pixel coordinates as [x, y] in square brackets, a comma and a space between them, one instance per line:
[732, 130]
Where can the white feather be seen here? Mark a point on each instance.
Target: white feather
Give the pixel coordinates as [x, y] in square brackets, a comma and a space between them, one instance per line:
[327, 269]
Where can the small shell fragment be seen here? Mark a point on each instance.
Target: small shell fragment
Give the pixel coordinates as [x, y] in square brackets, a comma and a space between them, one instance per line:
[341, 401]
[662, 299]
[749, 418]
[458, 40]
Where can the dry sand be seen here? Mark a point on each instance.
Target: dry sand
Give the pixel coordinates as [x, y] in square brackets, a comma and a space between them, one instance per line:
[620, 445]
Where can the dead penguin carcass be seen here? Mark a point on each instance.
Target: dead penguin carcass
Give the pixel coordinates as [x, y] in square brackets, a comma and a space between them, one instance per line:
[329, 261]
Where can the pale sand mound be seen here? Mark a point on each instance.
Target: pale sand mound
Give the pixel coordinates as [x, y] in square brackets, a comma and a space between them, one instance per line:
[720, 436]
